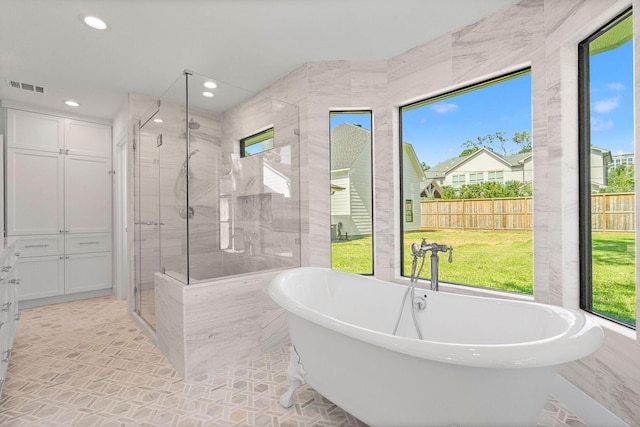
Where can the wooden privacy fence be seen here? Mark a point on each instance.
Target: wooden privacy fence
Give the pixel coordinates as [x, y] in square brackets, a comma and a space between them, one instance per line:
[609, 212]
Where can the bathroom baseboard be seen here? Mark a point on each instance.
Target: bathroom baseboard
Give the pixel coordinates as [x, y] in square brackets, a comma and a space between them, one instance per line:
[583, 405]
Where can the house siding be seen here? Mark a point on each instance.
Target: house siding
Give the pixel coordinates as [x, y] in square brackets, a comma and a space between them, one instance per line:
[411, 191]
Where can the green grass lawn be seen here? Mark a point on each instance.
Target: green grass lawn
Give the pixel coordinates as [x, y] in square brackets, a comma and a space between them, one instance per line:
[504, 261]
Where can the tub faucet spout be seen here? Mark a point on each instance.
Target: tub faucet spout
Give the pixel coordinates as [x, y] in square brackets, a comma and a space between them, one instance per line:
[435, 248]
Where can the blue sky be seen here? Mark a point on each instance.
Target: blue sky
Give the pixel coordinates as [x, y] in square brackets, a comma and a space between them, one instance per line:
[437, 131]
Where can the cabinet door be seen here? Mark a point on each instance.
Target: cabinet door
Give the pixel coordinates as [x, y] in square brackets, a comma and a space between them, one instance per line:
[40, 277]
[87, 272]
[35, 192]
[34, 131]
[87, 194]
[88, 139]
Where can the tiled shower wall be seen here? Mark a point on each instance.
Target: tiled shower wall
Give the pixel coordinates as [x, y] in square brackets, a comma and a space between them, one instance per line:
[542, 34]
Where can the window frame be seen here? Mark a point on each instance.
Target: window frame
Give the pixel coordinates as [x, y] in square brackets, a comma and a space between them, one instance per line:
[257, 138]
[584, 172]
[432, 100]
[335, 112]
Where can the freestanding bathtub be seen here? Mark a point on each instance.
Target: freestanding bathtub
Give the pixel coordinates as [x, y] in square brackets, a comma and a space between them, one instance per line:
[482, 361]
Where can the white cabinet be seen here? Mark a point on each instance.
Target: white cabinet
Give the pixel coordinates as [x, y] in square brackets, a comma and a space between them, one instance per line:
[59, 202]
[87, 272]
[34, 131]
[87, 139]
[53, 265]
[8, 309]
[41, 277]
[35, 192]
[87, 197]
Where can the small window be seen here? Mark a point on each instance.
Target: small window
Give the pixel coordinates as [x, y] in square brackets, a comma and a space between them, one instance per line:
[257, 143]
[408, 210]
[351, 151]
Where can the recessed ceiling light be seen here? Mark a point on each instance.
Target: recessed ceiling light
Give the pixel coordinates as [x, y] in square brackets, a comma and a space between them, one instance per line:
[157, 120]
[207, 94]
[210, 85]
[72, 103]
[95, 22]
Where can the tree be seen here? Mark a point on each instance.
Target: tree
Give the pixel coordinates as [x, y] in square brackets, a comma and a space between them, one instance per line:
[523, 140]
[498, 143]
[620, 180]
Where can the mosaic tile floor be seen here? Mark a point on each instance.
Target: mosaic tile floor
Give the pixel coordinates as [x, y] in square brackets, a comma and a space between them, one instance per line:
[86, 363]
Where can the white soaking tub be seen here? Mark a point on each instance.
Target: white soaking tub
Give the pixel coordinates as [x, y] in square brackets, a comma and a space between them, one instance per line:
[482, 361]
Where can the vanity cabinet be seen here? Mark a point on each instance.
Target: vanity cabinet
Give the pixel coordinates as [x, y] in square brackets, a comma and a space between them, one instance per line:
[8, 308]
[59, 203]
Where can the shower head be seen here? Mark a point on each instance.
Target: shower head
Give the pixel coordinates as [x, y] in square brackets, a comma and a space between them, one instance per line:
[193, 125]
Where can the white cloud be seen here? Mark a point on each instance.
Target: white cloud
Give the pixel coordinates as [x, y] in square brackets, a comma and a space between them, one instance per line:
[615, 86]
[598, 125]
[606, 105]
[443, 107]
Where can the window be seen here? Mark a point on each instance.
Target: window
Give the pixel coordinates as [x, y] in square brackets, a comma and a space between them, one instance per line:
[475, 178]
[458, 180]
[467, 137]
[257, 143]
[496, 176]
[351, 191]
[408, 210]
[607, 187]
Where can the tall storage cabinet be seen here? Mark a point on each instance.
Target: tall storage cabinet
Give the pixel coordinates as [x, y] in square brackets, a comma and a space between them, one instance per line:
[59, 189]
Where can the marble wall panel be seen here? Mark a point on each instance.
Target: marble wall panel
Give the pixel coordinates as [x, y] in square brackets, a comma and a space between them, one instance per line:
[170, 322]
[424, 71]
[204, 326]
[501, 41]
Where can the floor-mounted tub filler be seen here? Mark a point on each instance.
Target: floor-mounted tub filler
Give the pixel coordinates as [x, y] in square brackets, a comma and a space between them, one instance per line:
[481, 362]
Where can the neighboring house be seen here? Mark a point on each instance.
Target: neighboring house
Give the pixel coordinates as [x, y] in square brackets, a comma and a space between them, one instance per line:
[482, 166]
[412, 183]
[351, 195]
[601, 160]
[351, 191]
[488, 166]
[621, 160]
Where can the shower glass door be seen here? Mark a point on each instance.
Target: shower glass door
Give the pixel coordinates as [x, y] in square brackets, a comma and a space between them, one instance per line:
[147, 214]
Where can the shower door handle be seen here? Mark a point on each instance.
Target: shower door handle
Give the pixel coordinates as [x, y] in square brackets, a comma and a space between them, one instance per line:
[149, 223]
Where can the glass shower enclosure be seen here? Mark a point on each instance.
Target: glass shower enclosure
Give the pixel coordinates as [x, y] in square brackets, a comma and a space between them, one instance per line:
[205, 206]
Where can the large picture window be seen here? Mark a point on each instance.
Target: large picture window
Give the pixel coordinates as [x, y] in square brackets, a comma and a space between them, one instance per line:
[607, 184]
[470, 167]
[351, 191]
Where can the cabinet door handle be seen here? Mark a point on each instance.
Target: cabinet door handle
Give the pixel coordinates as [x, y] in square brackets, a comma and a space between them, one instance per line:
[6, 306]
[6, 268]
[89, 243]
[14, 281]
[36, 246]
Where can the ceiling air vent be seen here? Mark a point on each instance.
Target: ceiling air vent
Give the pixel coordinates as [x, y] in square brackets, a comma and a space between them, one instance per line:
[26, 86]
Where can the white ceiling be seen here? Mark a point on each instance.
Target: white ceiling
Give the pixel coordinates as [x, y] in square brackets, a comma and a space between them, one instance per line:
[248, 43]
